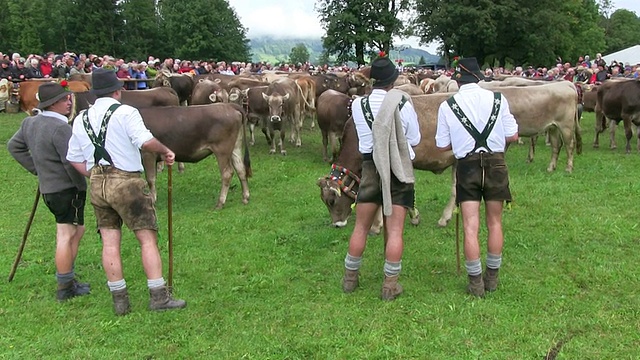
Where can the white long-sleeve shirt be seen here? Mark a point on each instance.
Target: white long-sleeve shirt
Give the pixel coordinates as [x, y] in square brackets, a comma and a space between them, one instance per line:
[476, 103]
[126, 133]
[365, 137]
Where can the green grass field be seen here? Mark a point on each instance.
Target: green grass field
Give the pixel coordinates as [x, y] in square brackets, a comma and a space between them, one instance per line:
[263, 281]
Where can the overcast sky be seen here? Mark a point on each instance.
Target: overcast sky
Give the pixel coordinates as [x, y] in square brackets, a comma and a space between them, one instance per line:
[298, 18]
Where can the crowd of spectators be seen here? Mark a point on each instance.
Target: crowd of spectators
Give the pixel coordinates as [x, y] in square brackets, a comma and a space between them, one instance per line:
[584, 70]
[17, 68]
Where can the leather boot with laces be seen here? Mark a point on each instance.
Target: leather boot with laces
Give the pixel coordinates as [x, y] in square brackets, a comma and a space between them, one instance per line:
[491, 279]
[391, 289]
[70, 289]
[161, 299]
[476, 285]
[121, 302]
[350, 280]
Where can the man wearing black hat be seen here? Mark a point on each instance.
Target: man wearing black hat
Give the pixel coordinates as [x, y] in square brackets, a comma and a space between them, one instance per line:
[477, 125]
[387, 127]
[40, 146]
[105, 145]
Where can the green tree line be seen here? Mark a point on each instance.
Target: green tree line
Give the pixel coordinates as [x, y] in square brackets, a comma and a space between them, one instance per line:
[131, 29]
[497, 32]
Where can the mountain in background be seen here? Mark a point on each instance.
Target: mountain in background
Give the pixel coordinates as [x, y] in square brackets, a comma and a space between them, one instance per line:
[276, 50]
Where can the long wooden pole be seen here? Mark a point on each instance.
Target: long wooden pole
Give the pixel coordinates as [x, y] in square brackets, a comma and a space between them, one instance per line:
[458, 241]
[24, 236]
[170, 220]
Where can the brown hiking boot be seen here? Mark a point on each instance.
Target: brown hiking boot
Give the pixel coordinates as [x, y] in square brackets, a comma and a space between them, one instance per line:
[476, 285]
[71, 289]
[491, 279]
[121, 302]
[390, 288]
[161, 299]
[350, 280]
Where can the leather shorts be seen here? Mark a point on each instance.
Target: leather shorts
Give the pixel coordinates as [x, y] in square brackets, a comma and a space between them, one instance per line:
[482, 176]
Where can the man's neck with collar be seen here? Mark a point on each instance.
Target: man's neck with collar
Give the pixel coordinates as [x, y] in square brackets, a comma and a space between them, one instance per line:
[54, 114]
[469, 86]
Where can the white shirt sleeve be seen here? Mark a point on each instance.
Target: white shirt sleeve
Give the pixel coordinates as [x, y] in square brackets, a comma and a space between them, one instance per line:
[443, 137]
[410, 124]
[509, 123]
[136, 130]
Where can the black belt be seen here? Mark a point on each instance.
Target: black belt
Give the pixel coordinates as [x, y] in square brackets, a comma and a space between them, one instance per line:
[483, 157]
[109, 169]
[367, 156]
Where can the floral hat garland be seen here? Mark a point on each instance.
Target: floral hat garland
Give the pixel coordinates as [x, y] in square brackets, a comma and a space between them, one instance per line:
[65, 84]
[456, 59]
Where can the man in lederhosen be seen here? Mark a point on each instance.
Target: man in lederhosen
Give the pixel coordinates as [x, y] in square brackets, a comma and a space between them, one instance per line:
[477, 125]
[387, 127]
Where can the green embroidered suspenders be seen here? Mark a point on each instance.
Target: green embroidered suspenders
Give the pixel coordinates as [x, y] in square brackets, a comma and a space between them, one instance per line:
[368, 114]
[480, 138]
[98, 141]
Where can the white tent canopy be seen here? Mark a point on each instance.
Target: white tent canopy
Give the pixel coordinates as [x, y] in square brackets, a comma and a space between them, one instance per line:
[629, 55]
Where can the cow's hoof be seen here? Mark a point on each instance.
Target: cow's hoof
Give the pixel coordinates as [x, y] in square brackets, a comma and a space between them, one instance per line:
[283, 152]
[252, 143]
[271, 152]
[569, 169]
[219, 206]
[613, 147]
[529, 160]
[443, 222]
[245, 201]
[551, 168]
[595, 146]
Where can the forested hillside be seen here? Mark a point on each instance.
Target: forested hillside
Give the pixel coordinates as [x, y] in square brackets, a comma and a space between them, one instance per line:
[275, 50]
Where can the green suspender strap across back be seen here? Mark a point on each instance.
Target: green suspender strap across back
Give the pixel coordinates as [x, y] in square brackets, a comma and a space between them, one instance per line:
[99, 140]
[480, 138]
[368, 114]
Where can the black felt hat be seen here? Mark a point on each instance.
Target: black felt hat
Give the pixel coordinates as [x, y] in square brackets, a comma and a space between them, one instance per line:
[383, 72]
[105, 82]
[50, 93]
[468, 71]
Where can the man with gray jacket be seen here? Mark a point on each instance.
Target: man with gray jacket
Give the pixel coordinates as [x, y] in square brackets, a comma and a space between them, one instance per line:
[40, 146]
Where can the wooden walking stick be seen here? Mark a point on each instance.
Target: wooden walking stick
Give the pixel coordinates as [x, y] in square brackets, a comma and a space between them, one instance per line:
[24, 236]
[458, 240]
[170, 220]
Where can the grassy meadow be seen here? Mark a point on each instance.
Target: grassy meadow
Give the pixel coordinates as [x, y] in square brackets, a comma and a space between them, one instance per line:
[263, 280]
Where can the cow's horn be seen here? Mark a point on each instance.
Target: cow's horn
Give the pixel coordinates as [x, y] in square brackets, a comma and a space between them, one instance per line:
[336, 191]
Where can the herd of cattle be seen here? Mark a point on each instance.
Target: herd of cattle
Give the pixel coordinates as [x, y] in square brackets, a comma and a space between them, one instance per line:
[197, 116]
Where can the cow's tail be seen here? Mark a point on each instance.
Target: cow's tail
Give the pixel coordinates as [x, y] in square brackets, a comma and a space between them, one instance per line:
[578, 132]
[304, 97]
[246, 159]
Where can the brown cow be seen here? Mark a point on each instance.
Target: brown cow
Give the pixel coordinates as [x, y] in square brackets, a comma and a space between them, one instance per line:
[334, 109]
[428, 157]
[244, 83]
[618, 100]
[307, 87]
[552, 107]
[195, 132]
[256, 107]
[208, 92]
[284, 102]
[410, 89]
[28, 90]
[161, 96]
[182, 83]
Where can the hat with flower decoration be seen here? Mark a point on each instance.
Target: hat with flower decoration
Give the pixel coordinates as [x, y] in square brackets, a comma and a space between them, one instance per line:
[383, 71]
[50, 93]
[467, 70]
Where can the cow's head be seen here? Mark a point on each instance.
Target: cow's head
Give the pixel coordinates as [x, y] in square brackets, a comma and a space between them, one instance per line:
[219, 96]
[338, 203]
[236, 95]
[276, 105]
